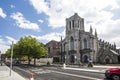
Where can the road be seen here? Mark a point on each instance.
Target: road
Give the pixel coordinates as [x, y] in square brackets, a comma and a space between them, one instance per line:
[57, 73]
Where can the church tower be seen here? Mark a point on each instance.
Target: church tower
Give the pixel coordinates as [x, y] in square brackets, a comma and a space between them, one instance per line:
[73, 23]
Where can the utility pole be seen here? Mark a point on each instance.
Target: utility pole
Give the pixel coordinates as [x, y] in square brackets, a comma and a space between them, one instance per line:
[11, 58]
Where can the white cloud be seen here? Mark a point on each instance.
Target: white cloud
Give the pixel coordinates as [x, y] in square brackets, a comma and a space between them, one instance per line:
[3, 48]
[24, 23]
[40, 20]
[50, 36]
[58, 10]
[5, 43]
[2, 14]
[39, 5]
[10, 39]
[98, 13]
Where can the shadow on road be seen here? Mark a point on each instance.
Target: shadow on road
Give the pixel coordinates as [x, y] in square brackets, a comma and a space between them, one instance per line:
[106, 79]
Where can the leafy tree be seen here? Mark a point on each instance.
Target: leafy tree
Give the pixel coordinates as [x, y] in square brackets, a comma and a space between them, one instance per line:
[39, 51]
[28, 46]
[8, 53]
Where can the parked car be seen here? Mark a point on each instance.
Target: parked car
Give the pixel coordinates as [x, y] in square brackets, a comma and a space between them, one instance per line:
[113, 73]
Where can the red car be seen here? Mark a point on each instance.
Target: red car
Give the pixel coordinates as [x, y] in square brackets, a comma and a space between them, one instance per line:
[113, 73]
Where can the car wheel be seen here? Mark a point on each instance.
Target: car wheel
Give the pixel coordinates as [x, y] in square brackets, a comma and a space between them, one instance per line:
[115, 77]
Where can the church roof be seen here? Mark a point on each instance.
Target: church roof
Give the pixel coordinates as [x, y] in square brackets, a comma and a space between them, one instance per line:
[75, 16]
[52, 42]
[113, 52]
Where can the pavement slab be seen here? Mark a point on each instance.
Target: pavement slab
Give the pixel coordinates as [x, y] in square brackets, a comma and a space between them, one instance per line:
[5, 74]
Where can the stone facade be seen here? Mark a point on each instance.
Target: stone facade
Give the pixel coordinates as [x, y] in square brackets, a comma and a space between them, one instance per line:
[81, 46]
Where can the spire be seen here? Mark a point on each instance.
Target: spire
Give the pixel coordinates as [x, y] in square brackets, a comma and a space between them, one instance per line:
[91, 31]
[95, 33]
[114, 45]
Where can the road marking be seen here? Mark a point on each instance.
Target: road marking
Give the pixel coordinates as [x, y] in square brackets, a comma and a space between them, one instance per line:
[39, 71]
[100, 71]
[43, 72]
[91, 78]
[23, 70]
[36, 69]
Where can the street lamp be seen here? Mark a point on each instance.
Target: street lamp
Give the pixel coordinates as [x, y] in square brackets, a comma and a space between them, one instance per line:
[11, 58]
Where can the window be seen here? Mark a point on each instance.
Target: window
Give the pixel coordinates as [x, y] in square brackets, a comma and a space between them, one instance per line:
[85, 43]
[78, 23]
[64, 47]
[70, 24]
[73, 23]
[72, 43]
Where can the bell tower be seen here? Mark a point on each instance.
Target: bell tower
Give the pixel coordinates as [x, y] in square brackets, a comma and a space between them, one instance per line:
[73, 23]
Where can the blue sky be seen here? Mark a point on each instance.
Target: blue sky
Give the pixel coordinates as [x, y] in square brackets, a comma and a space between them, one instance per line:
[45, 19]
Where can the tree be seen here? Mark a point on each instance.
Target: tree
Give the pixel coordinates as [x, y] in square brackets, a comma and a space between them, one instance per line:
[30, 47]
[8, 52]
[39, 51]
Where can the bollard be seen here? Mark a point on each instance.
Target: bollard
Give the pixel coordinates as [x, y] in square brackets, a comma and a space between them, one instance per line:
[32, 76]
[64, 65]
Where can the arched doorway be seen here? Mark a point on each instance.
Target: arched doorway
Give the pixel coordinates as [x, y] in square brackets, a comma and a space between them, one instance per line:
[72, 59]
[107, 60]
[85, 59]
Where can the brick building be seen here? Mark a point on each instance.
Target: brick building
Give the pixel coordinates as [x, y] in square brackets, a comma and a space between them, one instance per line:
[53, 50]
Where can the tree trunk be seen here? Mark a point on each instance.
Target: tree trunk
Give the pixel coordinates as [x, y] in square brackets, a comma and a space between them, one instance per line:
[34, 61]
[29, 60]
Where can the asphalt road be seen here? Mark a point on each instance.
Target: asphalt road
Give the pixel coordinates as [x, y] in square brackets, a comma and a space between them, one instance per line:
[57, 73]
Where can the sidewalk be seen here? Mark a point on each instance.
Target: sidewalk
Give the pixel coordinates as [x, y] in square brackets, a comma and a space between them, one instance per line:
[5, 74]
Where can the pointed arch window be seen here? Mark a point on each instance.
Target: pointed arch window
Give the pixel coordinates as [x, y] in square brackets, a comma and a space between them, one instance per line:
[70, 24]
[73, 23]
[85, 43]
[72, 43]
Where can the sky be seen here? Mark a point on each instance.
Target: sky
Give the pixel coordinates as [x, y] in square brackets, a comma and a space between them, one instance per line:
[45, 19]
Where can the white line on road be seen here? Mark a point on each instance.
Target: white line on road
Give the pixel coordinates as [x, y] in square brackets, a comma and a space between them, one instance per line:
[23, 70]
[86, 77]
[91, 78]
[100, 71]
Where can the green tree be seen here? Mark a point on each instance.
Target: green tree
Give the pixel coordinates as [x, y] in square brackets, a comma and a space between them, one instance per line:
[30, 47]
[8, 53]
[39, 51]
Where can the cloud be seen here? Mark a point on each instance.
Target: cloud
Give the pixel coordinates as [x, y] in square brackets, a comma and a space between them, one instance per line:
[3, 48]
[2, 14]
[10, 39]
[58, 10]
[50, 36]
[5, 43]
[98, 13]
[24, 23]
[40, 20]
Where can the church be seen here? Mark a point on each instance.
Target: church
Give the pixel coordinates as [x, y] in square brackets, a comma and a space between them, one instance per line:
[80, 46]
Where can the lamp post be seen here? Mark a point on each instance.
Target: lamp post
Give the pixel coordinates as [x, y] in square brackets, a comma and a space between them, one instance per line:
[11, 58]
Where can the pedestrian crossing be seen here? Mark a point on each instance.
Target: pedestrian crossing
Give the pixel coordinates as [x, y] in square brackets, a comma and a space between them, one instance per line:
[43, 72]
[40, 71]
